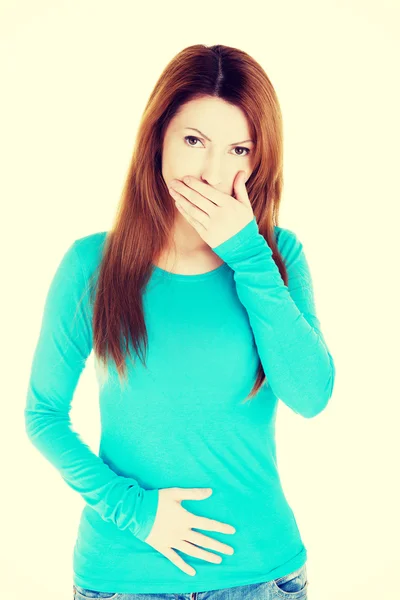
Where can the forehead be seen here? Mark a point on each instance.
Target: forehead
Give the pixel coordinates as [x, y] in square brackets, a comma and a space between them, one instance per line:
[213, 116]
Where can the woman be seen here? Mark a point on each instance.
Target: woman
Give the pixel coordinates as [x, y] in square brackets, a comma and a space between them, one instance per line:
[185, 496]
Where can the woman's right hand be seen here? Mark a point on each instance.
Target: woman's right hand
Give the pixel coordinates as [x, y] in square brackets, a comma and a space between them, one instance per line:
[172, 528]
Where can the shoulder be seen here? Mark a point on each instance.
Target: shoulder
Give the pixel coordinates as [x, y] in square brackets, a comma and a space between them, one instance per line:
[89, 249]
[91, 242]
[288, 243]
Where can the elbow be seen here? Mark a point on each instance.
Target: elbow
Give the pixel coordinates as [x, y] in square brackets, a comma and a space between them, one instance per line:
[308, 404]
[27, 423]
[30, 423]
[315, 408]
[320, 396]
[38, 424]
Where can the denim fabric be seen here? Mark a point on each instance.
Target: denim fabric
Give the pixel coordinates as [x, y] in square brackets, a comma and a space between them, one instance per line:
[291, 586]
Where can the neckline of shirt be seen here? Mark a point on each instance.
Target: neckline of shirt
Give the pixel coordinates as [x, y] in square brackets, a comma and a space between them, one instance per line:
[192, 277]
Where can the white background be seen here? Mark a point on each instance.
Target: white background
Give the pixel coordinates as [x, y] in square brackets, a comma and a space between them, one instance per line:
[75, 77]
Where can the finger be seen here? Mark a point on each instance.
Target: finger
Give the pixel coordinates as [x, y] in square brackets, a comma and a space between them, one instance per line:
[197, 224]
[195, 210]
[218, 198]
[178, 561]
[212, 525]
[190, 494]
[193, 550]
[194, 197]
[200, 539]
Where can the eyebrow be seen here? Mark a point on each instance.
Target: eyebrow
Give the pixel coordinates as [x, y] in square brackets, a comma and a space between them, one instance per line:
[207, 138]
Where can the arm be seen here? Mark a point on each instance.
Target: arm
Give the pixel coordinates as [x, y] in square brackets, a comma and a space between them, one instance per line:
[64, 344]
[291, 347]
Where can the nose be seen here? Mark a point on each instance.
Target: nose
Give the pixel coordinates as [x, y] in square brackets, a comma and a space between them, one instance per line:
[211, 179]
[211, 171]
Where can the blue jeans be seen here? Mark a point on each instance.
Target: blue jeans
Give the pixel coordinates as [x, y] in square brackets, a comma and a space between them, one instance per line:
[292, 586]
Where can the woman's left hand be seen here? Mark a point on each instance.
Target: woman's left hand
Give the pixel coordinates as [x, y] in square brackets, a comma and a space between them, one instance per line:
[214, 215]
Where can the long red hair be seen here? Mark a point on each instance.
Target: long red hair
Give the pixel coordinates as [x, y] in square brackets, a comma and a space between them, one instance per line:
[146, 211]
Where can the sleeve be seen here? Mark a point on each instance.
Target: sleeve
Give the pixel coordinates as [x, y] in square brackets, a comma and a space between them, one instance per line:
[64, 344]
[292, 350]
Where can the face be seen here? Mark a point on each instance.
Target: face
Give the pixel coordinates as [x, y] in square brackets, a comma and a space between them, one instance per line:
[209, 139]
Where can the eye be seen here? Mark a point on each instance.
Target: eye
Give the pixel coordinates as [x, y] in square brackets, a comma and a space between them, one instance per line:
[193, 137]
[242, 148]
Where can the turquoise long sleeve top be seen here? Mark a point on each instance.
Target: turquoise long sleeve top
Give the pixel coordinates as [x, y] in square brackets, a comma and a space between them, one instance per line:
[182, 421]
